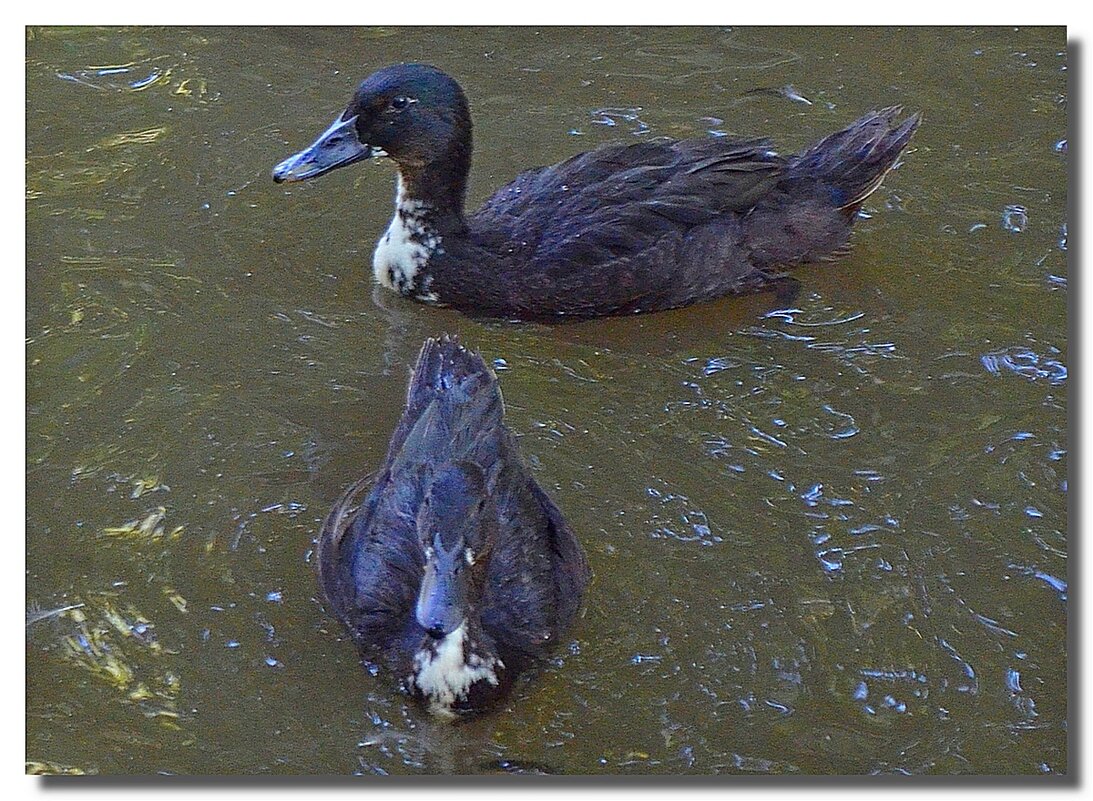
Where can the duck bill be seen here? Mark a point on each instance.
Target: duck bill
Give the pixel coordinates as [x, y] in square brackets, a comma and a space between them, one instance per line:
[442, 600]
[336, 147]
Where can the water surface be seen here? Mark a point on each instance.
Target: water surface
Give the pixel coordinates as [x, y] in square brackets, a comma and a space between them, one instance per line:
[828, 536]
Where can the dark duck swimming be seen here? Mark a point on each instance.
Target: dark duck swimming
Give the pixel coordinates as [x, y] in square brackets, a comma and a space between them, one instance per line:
[451, 565]
[622, 229]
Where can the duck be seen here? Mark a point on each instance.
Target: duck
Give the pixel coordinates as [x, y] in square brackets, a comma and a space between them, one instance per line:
[451, 565]
[625, 228]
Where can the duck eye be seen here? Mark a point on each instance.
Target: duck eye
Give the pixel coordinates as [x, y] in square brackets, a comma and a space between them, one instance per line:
[400, 102]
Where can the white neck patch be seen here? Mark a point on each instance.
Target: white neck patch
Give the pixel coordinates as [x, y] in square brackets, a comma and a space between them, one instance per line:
[444, 675]
[405, 249]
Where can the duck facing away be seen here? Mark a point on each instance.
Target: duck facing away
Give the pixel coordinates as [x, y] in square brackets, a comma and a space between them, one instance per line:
[621, 229]
[451, 566]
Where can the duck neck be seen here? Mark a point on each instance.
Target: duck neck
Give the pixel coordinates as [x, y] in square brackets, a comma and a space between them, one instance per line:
[440, 186]
[428, 210]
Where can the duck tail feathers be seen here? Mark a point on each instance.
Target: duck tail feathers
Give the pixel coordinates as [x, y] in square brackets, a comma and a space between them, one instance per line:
[448, 371]
[855, 160]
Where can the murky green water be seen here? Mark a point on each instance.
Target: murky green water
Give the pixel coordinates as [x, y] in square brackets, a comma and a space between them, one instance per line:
[828, 537]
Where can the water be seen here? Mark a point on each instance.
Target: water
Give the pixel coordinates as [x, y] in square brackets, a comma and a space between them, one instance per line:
[828, 536]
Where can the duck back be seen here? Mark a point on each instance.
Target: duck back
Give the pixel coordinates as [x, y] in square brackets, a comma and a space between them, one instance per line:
[642, 227]
[370, 558]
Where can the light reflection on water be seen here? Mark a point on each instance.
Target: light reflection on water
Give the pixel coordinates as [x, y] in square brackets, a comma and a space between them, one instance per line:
[828, 536]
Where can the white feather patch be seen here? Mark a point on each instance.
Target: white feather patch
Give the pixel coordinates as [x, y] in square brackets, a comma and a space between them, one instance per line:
[405, 248]
[444, 676]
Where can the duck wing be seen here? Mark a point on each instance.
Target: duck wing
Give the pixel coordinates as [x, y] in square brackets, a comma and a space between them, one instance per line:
[538, 570]
[368, 560]
[619, 200]
[571, 570]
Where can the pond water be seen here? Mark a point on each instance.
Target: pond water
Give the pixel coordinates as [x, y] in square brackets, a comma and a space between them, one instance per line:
[828, 536]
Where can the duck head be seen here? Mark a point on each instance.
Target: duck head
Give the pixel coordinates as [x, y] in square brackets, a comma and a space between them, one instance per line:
[413, 113]
[456, 668]
[456, 537]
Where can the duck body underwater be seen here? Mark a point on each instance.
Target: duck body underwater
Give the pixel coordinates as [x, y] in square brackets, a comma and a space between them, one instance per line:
[451, 565]
[622, 229]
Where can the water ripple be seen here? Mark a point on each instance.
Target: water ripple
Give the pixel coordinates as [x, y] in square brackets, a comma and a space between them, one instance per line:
[695, 524]
[789, 316]
[1057, 584]
[1027, 363]
[1015, 218]
[627, 116]
[849, 428]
